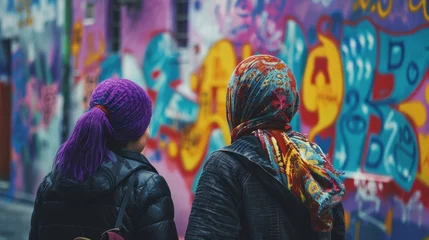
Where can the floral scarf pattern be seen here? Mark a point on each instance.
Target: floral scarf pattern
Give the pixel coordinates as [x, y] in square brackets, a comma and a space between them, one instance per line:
[262, 98]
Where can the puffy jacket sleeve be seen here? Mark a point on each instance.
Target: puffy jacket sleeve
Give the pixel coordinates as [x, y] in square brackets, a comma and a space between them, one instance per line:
[157, 220]
[215, 210]
[38, 202]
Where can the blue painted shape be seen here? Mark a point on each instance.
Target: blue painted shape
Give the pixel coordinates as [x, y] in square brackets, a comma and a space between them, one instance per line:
[353, 120]
[393, 150]
[197, 5]
[324, 143]
[405, 58]
[110, 67]
[396, 148]
[160, 69]
[294, 54]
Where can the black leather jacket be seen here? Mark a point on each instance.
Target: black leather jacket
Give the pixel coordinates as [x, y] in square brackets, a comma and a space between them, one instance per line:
[239, 197]
[65, 209]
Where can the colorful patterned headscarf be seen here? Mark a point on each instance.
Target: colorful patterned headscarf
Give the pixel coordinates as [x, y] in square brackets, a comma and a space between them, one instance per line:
[261, 100]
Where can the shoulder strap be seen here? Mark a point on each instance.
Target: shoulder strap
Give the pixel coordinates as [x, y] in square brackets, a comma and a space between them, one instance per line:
[125, 201]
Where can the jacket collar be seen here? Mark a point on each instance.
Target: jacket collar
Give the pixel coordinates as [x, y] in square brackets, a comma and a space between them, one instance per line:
[135, 156]
[109, 175]
[250, 148]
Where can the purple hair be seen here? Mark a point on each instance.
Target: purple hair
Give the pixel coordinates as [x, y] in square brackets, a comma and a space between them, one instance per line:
[120, 112]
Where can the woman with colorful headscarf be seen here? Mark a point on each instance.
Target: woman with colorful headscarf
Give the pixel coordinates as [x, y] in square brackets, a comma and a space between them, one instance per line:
[271, 182]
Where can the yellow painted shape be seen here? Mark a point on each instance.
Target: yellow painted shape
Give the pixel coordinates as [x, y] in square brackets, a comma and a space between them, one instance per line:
[388, 222]
[216, 70]
[76, 38]
[194, 82]
[172, 149]
[247, 51]
[427, 94]
[423, 175]
[415, 110]
[357, 230]
[347, 219]
[96, 49]
[378, 5]
[361, 4]
[323, 97]
[162, 144]
[383, 13]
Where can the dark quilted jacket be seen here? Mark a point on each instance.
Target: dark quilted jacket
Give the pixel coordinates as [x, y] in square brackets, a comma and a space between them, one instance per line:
[65, 209]
[239, 197]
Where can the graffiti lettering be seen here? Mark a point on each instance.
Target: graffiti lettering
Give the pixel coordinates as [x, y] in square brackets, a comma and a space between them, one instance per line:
[374, 6]
[421, 5]
[395, 47]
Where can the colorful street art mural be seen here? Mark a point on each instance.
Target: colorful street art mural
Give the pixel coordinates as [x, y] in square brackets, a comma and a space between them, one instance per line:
[362, 67]
[35, 27]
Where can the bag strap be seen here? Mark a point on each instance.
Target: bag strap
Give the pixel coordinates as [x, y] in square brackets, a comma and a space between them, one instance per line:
[125, 201]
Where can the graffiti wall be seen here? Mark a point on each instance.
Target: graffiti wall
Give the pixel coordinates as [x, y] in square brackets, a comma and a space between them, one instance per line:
[35, 27]
[362, 68]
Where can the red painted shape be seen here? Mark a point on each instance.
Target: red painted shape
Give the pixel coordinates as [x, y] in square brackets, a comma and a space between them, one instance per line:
[152, 95]
[309, 118]
[171, 133]
[152, 143]
[213, 100]
[320, 65]
[128, 51]
[155, 74]
[374, 125]
[197, 48]
[383, 86]
[176, 83]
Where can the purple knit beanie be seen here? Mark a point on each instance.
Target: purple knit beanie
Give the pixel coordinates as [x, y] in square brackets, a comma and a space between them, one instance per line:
[120, 110]
[127, 106]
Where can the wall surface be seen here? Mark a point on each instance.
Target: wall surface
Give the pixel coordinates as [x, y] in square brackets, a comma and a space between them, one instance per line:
[35, 27]
[362, 66]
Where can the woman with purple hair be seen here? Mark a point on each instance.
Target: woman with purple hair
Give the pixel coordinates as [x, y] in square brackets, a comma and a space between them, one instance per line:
[100, 181]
